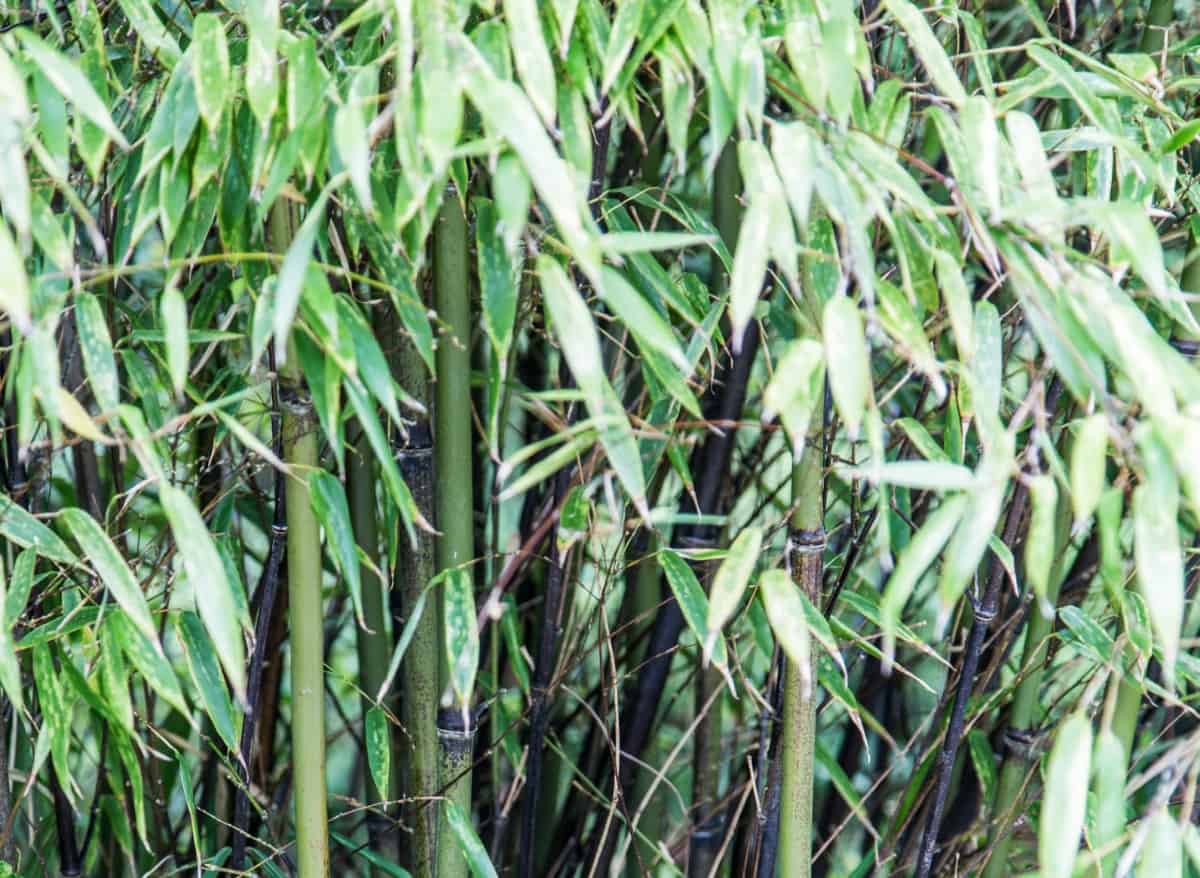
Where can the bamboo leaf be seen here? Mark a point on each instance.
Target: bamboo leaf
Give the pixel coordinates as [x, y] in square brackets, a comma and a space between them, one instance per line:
[262, 75]
[210, 60]
[329, 503]
[112, 569]
[148, 660]
[175, 329]
[468, 842]
[1162, 852]
[205, 672]
[379, 749]
[1088, 465]
[926, 46]
[26, 531]
[71, 82]
[292, 272]
[1065, 797]
[214, 596]
[694, 605]
[10, 670]
[461, 634]
[580, 346]
[729, 583]
[1040, 548]
[647, 325]
[14, 293]
[151, 31]
[849, 360]
[749, 269]
[1160, 565]
[922, 550]
[531, 56]
[785, 611]
[96, 345]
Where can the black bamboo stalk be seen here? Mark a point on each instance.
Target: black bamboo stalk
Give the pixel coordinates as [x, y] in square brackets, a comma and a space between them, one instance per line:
[550, 625]
[985, 612]
[548, 635]
[265, 593]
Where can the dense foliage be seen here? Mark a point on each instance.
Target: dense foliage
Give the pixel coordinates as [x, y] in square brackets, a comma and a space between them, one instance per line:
[599, 437]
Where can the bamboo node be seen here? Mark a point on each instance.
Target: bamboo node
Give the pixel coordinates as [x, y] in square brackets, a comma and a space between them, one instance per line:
[806, 542]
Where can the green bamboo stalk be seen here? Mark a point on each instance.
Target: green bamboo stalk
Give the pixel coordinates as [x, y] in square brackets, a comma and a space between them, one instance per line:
[806, 542]
[374, 650]
[305, 612]
[454, 499]
[1023, 714]
[1158, 19]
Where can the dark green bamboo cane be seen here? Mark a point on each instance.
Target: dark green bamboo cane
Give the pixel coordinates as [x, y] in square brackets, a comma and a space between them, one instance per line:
[454, 497]
[374, 651]
[806, 545]
[305, 612]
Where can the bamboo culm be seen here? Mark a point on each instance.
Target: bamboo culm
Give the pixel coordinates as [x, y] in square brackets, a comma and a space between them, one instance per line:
[305, 611]
[805, 559]
[454, 496]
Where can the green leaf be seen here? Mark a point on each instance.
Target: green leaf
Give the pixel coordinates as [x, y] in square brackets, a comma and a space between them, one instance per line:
[922, 550]
[329, 503]
[468, 842]
[392, 480]
[26, 531]
[10, 670]
[379, 748]
[350, 137]
[795, 389]
[508, 113]
[849, 360]
[292, 272]
[1185, 134]
[648, 326]
[531, 56]
[1087, 465]
[1160, 564]
[96, 345]
[175, 330]
[1040, 548]
[148, 660]
[112, 569]
[1162, 852]
[970, 539]
[262, 74]
[580, 345]
[692, 603]
[71, 82]
[19, 587]
[926, 46]
[210, 61]
[1133, 239]
[206, 675]
[749, 269]
[461, 634]
[56, 714]
[498, 276]
[152, 31]
[1065, 797]
[215, 601]
[14, 292]
[785, 611]
[729, 583]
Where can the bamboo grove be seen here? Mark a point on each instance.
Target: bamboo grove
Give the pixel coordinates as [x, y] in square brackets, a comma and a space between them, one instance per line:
[599, 437]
